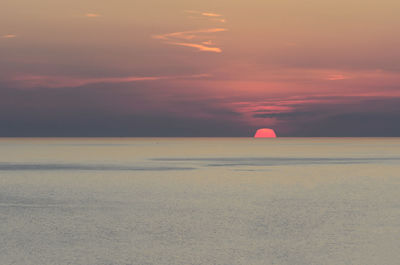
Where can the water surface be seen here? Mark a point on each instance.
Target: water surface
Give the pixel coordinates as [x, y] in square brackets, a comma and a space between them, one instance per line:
[200, 201]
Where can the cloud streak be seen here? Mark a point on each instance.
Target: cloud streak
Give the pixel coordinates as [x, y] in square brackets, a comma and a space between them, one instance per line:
[200, 47]
[66, 81]
[198, 39]
[211, 14]
[187, 35]
[9, 36]
[201, 39]
[208, 15]
[337, 77]
[92, 15]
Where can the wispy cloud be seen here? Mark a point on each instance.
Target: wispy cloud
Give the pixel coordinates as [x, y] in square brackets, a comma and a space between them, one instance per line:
[188, 35]
[337, 77]
[67, 81]
[209, 42]
[9, 36]
[206, 15]
[198, 39]
[201, 39]
[200, 47]
[92, 15]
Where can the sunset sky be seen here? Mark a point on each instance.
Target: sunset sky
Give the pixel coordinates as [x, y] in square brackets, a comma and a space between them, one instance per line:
[199, 68]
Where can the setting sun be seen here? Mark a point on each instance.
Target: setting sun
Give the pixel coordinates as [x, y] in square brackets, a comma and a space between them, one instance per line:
[265, 133]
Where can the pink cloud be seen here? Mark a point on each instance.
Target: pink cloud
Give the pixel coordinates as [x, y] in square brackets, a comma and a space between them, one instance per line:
[337, 77]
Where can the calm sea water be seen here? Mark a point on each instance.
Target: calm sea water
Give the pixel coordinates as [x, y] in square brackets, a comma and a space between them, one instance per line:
[199, 201]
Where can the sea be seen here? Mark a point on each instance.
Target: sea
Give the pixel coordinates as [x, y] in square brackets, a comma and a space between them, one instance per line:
[125, 201]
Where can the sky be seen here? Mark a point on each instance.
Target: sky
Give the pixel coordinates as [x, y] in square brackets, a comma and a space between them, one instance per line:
[199, 68]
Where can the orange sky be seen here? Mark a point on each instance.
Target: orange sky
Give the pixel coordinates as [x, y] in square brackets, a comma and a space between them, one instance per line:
[286, 64]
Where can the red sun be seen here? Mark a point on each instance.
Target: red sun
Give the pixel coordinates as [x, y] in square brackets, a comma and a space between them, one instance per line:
[265, 133]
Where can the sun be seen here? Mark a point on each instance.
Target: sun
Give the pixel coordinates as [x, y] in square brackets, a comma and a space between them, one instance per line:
[265, 133]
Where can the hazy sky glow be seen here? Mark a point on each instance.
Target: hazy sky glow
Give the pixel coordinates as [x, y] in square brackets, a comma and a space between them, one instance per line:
[199, 68]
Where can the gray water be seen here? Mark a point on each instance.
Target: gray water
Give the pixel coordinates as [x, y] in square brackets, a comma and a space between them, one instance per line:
[199, 201]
